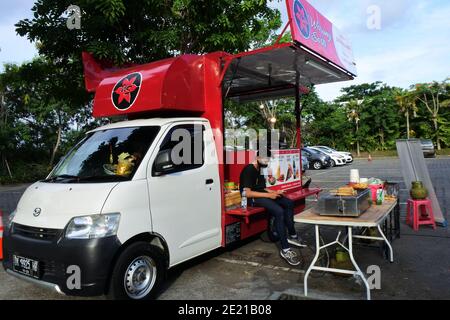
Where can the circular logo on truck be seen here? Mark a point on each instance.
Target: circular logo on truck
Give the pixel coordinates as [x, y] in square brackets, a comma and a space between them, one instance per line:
[126, 91]
[37, 212]
[302, 19]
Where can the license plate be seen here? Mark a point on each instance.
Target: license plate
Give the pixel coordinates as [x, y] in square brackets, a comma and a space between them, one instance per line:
[26, 266]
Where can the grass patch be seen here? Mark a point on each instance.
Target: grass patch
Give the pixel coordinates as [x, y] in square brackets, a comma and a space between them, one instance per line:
[24, 173]
[379, 154]
[444, 152]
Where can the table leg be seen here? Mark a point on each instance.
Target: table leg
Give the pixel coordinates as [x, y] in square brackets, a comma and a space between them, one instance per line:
[397, 220]
[391, 251]
[359, 272]
[391, 228]
[314, 260]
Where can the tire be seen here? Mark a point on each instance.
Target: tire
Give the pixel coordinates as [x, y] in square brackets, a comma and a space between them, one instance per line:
[333, 163]
[139, 259]
[317, 165]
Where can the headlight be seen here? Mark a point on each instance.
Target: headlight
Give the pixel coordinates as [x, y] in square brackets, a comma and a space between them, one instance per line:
[92, 227]
[10, 219]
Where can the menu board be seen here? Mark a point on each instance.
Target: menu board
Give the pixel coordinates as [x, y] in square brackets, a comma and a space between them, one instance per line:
[284, 170]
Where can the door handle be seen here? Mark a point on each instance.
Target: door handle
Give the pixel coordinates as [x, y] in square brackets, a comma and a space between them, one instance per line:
[209, 181]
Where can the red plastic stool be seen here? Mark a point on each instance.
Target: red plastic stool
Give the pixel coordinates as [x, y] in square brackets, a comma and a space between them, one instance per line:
[422, 213]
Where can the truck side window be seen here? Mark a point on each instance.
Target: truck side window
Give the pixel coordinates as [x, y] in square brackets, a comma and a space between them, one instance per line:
[174, 140]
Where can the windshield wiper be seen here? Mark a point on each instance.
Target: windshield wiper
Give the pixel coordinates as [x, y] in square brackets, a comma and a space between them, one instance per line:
[72, 178]
[61, 177]
[102, 178]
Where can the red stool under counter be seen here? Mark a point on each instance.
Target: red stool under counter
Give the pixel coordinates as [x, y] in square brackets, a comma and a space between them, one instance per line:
[422, 213]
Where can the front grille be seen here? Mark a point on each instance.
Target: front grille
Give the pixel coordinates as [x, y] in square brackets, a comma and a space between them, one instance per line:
[35, 233]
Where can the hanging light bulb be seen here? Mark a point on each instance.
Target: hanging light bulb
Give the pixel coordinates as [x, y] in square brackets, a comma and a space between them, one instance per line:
[273, 120]
[261, 106]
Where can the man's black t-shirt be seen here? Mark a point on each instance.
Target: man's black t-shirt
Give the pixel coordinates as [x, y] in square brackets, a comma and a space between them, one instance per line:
[251, 178]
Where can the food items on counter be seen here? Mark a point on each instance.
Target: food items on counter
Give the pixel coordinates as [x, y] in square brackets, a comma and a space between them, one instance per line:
[229, 186]
[360, 186]
[344, 191]
[233, 199]
[390, 197]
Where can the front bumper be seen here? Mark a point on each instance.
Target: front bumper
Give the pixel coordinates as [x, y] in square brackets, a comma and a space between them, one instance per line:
[94, 257]
[429, 152]
[326, 163]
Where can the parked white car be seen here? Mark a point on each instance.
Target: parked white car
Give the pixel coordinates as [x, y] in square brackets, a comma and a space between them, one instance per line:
[347, 155]
[336, 158]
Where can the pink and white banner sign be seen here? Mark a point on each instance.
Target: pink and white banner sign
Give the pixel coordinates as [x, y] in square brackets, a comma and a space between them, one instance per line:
[311, 29]
[284, 171]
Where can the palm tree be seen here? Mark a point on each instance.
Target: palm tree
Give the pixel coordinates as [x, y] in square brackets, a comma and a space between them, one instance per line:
[353, 115]
[430, 95]
[406, 100]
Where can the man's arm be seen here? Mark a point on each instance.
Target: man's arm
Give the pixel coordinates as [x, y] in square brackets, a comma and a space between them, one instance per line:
[256, 195]
[279, 192]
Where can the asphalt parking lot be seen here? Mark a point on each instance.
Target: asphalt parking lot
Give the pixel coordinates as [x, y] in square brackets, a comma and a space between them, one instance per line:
[254, 270]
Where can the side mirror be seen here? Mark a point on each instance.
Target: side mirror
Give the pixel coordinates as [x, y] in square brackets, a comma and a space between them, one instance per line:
[163, 163]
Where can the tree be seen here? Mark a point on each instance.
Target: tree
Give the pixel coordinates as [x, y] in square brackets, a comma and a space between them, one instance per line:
[35, 94]
[140, 31]
[353, 115]
[378, 114]
[431, 95]
[407, 103]
[268, 110]
[47, 96]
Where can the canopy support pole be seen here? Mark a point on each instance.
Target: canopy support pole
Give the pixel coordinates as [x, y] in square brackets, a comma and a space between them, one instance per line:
[298, 112]
[282, 33]
[298, 118]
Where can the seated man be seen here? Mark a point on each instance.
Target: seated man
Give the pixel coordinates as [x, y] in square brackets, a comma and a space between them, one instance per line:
[281, 208]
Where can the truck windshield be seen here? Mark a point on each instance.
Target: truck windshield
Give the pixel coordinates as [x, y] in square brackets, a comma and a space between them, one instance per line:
[105, 156]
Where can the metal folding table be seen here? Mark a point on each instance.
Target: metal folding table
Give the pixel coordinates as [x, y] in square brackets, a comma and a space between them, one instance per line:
[374, 217]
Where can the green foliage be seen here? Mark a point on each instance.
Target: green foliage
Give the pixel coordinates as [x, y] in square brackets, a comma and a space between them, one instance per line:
[145, 30]
[44, 106]
[371, 114]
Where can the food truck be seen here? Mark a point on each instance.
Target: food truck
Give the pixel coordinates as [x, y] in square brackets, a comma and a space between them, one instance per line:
[118, 212]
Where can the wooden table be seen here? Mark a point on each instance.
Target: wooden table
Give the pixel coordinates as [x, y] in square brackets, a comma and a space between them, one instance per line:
[372, 218]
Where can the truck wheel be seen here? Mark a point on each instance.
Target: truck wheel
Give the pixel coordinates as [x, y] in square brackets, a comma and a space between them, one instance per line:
[138, 273]
[317, 165]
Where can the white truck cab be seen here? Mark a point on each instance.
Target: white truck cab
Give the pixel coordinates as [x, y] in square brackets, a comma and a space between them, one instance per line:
[83, 216]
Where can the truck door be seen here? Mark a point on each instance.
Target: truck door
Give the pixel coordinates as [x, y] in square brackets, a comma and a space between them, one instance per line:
[185, 203]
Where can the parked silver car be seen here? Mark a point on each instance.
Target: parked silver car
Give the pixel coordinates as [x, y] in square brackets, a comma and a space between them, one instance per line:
[428, 148]
[347, 155]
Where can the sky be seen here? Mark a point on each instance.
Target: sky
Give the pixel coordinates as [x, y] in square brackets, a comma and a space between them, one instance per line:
[411, 46]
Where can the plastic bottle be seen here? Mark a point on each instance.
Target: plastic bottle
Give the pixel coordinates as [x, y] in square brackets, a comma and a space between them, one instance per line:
[244, 200]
